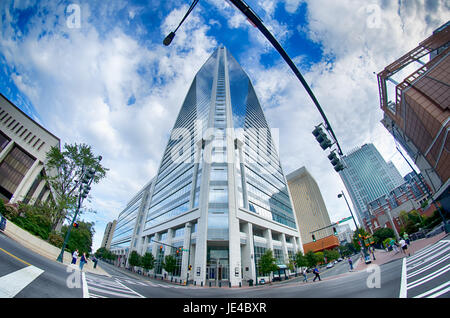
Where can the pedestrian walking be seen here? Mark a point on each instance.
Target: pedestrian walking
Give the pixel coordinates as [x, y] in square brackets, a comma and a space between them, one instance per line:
[305, 279]
[406, 237]
[74, 257]
[316, 272]
[404, 246]
[83, 260]
[350, 262]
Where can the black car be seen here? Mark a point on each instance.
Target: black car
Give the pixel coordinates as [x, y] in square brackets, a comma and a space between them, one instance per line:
[2, 222]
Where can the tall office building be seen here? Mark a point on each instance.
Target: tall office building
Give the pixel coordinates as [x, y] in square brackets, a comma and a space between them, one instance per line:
[23, 147]
[129, 224]
[416, 108]
[108, 235]
[310, 211]
[367, 177]
[220, 198]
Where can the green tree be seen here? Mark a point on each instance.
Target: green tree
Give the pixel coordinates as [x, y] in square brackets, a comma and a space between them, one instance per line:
[80, 237]
[300, 259]
[311, 259]
[331, 255]
[134, 259]
[148, 261]
[267, 263]
[381, 234]
[169, 264]
[67, 166]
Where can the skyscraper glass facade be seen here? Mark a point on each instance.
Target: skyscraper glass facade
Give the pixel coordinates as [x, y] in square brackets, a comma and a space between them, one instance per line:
[220, 177]
[366, 177]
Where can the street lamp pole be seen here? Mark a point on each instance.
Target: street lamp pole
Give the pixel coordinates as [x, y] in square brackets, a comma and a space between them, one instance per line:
[351, 213]
[82, 193]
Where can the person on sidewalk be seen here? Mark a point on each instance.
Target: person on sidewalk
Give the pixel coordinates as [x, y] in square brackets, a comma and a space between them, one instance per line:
[404, 246]
[350, 262]
[83, 260]
[316, 272]
[74, 257]
[406, 237]
[305, 279]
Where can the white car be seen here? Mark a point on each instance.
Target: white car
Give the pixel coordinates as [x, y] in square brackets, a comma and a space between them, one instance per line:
[330, 265]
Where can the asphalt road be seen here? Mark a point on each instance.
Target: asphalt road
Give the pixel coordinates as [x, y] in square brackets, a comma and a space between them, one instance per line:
[26, 274]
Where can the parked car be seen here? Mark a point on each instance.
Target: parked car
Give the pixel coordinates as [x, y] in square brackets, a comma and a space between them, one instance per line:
[330, 265]
[262, 281]
[339, 259]
[2, 222]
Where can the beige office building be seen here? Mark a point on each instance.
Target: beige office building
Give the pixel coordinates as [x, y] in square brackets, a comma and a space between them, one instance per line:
[310, 209]
[109, 232]
[23, 147]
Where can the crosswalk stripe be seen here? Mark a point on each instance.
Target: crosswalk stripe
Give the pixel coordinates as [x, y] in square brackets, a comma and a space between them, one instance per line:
[104, 291]
[441, 251]
[432, 293]
[428, 277]
[13, 283]
[422, 269]
[427, 250]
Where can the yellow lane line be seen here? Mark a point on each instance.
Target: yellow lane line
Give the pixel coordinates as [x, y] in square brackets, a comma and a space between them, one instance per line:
[15, 257]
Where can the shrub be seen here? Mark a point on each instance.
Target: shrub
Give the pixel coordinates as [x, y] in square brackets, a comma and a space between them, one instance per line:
[55, 239]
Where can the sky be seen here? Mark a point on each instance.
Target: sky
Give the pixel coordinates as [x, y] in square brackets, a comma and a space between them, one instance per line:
[96, 72]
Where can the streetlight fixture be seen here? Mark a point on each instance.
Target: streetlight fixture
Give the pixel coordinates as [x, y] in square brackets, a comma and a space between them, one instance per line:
[85, 187]
[257, 22]
[351, 213]
[168, 39]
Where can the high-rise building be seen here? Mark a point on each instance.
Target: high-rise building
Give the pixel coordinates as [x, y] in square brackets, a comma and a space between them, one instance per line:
[311, 212]
[415, 99]
[367, 177]
[23, 147]
[108, 235]
[220, 197]
[129, 224]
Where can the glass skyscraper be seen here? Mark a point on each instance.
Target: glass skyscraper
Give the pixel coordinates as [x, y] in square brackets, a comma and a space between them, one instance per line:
[220, 198]
[367, 177]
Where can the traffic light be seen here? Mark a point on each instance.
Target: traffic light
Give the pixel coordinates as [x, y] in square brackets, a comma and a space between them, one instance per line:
[313, 238]
[189, 267]
[75, 225]
[321, 137]
[88, 175]
[337, 164]
[335, 231]
[160, 248]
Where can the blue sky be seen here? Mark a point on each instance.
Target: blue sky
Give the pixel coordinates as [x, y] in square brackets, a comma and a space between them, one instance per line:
[110, 82]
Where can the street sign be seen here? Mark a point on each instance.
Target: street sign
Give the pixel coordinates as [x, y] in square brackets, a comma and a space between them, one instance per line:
[344, 220]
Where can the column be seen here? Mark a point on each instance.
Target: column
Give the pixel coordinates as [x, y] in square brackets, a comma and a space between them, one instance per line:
[185, 273]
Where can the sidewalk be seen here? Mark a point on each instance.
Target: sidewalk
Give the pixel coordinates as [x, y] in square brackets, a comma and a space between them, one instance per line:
[383, 257]
[88, 267]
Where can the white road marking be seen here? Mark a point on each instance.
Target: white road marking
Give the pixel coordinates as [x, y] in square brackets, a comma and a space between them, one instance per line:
[432, 293]
[429, 277]
[13, 283]
[85, 286]
[403, 282]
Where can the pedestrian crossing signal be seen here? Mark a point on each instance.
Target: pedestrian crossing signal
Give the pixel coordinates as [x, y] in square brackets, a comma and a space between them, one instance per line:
[75, 225]
[313, 238]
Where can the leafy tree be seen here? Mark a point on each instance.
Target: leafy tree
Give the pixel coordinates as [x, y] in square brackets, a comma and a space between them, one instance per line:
[135, 259]
[381, 234]
[169, 264]
[105, 254]
[267, 263]
[80, 238]
[311, 259]
[68, 167]
[301, 260]
[331, 255]
[148, 261]
[319, 257]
